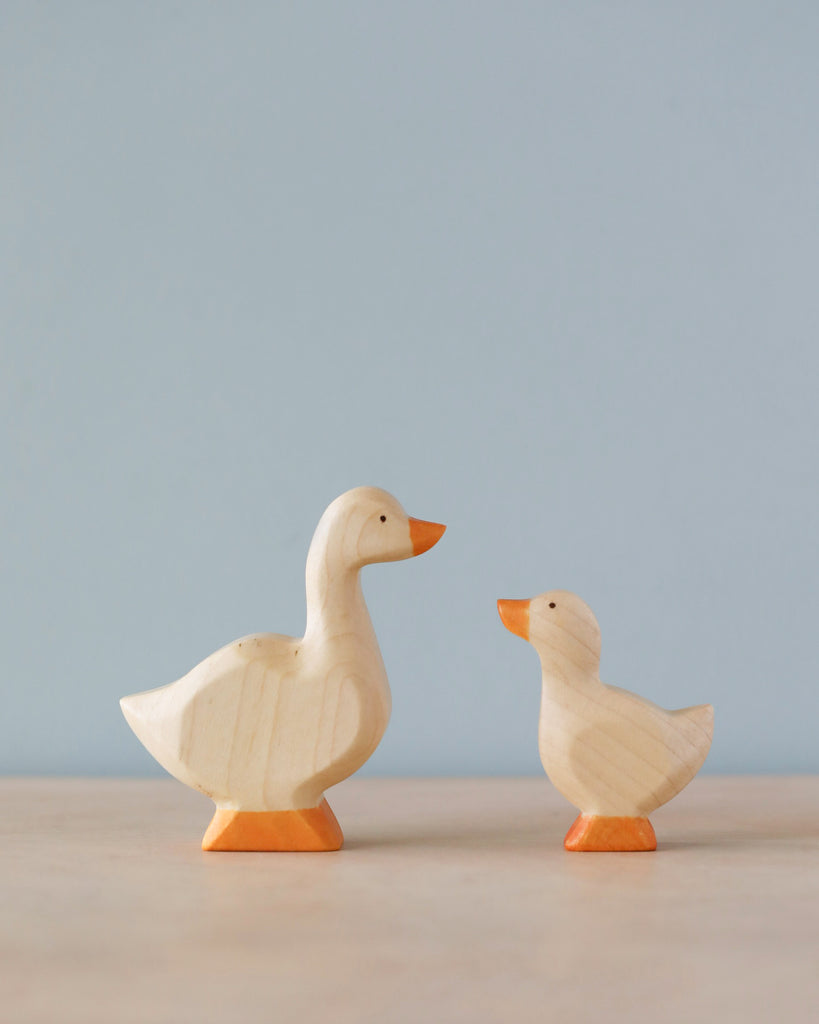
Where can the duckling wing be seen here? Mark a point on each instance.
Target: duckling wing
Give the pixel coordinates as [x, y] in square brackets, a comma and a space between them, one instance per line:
[612, 752]
[671, 745]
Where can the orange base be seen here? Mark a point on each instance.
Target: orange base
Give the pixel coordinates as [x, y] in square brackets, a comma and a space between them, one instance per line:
[313, 829]
[592, 832]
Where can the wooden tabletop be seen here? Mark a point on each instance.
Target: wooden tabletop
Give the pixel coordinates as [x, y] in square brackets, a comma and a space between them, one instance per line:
[452, 901]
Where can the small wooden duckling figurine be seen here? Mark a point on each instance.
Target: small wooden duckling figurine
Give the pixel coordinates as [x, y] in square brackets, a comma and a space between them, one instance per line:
[266, 724]
[614, 755]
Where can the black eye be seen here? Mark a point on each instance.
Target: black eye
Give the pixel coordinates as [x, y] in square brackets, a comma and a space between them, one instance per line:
[383, 519]
[552, 604]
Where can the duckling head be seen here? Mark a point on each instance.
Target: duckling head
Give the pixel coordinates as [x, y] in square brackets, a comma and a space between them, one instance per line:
[559, 625]
[369, 525]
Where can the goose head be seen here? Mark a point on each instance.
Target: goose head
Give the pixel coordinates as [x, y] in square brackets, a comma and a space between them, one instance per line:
[558, 624]
[367, 525]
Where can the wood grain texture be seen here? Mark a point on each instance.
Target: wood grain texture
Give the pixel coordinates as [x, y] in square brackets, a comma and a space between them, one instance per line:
[452, 900]
[609, 752]
[269, 722]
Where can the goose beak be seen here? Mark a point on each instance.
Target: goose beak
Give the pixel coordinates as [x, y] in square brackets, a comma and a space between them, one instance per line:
[515, 616]
[424, 535]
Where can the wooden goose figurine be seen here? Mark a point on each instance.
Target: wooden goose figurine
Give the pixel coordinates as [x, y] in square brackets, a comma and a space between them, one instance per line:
[266, 724]
[614, 755]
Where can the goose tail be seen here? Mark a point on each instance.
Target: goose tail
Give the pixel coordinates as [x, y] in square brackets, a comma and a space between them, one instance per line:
[150, 716]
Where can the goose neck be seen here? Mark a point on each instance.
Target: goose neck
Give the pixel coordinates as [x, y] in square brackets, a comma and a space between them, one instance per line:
[335, 600]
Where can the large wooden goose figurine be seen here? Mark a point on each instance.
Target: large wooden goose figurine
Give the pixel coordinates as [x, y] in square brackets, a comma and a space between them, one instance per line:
[269, 722]
[614, 755]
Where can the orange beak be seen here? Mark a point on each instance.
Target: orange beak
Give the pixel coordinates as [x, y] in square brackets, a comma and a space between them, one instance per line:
[515, 616]
[423, 535]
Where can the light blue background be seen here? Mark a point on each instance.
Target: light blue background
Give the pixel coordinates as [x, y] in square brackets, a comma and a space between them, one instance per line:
[548, 272]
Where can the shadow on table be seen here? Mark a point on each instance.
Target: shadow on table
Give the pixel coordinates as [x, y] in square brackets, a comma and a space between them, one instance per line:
[547, 835]
[503, 835]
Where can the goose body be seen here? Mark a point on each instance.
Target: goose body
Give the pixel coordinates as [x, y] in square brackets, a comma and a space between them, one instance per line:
[267, 723]
[613, 754]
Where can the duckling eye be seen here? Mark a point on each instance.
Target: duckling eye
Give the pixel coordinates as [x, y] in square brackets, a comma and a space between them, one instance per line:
[383, 519]
[552, 604]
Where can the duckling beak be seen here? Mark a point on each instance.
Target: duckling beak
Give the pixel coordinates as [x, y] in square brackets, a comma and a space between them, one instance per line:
[515, 616]
[424, 535]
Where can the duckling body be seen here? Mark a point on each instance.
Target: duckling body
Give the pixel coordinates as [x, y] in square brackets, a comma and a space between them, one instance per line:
[265, 724]
[645, 753]
[614, 755]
